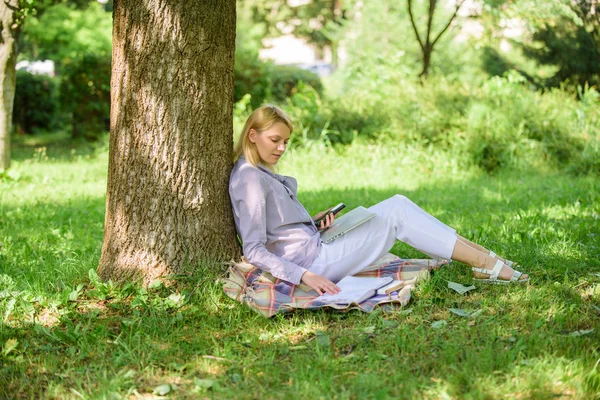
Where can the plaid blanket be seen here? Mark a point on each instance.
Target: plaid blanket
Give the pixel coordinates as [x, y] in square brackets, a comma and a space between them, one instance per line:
[268, 295]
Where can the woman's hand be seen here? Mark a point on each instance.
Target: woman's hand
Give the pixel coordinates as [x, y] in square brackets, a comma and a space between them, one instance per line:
[319, 283]
[326, 222]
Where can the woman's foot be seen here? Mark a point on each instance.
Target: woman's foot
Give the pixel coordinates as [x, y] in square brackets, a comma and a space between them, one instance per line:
[505, 261]
[501, 273]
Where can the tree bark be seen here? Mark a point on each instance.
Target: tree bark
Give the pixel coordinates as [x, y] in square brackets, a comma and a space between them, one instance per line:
[171, 138]
[428, 48]
[8, 76]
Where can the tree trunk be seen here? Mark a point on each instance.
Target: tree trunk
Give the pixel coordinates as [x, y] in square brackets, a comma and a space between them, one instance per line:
[8, 76]
[428, 43]
[427, 50]
[337, 15]
[171, 138]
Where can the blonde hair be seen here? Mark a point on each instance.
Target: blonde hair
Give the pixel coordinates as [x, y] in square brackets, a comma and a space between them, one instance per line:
[260, 120]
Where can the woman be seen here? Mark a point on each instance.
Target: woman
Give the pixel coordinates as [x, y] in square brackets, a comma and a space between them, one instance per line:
[279, 236]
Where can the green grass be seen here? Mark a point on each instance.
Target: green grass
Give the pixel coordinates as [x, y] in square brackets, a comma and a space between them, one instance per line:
[67, 335]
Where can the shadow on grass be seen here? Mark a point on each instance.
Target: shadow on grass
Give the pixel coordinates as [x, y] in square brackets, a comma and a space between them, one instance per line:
[47, 247]
[55, 146]
[42, 240]
[140, 339]
[95, 344]
[549, 228]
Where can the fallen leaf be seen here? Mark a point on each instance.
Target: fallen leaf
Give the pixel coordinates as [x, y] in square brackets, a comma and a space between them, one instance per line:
[73, 295]
[581, 332]
[439, 324]
[161, 390]
[462, 289]
[323, 339]
[264, 336]
[300, 347]
[204, 383]
[389, 324]
[9, 346]
[460, 311]
[176, 298]
[465, 313]
[369, 329]
[155, 284]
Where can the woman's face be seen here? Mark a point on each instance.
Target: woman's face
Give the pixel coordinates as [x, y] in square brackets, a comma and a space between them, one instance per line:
[271, 143]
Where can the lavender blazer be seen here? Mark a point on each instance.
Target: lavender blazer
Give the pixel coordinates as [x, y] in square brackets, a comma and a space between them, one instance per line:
[278, 234]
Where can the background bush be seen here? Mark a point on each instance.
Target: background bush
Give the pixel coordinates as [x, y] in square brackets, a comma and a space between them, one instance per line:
[35, 105]
[252, 76]
[266, 82]
[503, 123]
[85, 95]
[285, 80]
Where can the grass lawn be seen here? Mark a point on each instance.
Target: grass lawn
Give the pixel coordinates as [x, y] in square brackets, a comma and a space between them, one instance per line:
[66, 335]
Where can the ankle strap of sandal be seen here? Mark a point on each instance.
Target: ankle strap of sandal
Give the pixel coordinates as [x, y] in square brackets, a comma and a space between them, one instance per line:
[492, 273]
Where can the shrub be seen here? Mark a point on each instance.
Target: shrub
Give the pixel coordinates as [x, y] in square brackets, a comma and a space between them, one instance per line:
[309, 116]
[252, 76]
[264, 81]
[286, 78]
[36, 99]
[511, 125]
[85, 95]
[503, 123]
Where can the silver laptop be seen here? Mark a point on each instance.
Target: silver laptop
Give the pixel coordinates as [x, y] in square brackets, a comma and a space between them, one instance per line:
[346, 223]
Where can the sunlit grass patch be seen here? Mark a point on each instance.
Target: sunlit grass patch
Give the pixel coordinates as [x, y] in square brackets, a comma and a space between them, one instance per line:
[69, 335]
[543, 377]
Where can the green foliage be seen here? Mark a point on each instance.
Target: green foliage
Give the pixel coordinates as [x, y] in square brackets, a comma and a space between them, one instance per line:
[561, 36]
[531, 131]
[36, 103]
[85, 95]
[262, 80]
[502, 124]
[318, 21]
[63, 33]
[571, 48]
[266, 82]
[382, 45]
[252, 77]
[285, 80]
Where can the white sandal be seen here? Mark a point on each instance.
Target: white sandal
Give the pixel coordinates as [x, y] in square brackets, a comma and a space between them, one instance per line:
[493, 275]
[511, 264]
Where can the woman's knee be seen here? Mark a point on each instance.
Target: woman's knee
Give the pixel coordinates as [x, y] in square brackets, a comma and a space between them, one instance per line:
[400, 198]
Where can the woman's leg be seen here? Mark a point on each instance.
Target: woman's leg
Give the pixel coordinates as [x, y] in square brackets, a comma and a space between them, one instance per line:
[424, 232]
[478, 247]
[481, 259]
[397, 218]
[472, 244]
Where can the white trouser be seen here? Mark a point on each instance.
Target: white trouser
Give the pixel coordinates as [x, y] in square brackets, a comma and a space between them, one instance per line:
[397, 218]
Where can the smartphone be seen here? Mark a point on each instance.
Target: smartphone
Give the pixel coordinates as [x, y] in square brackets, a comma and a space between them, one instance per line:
[333, 210]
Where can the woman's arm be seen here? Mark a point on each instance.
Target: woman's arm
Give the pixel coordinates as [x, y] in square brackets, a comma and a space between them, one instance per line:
[248, 197]
[319, 283]
[326, 222]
